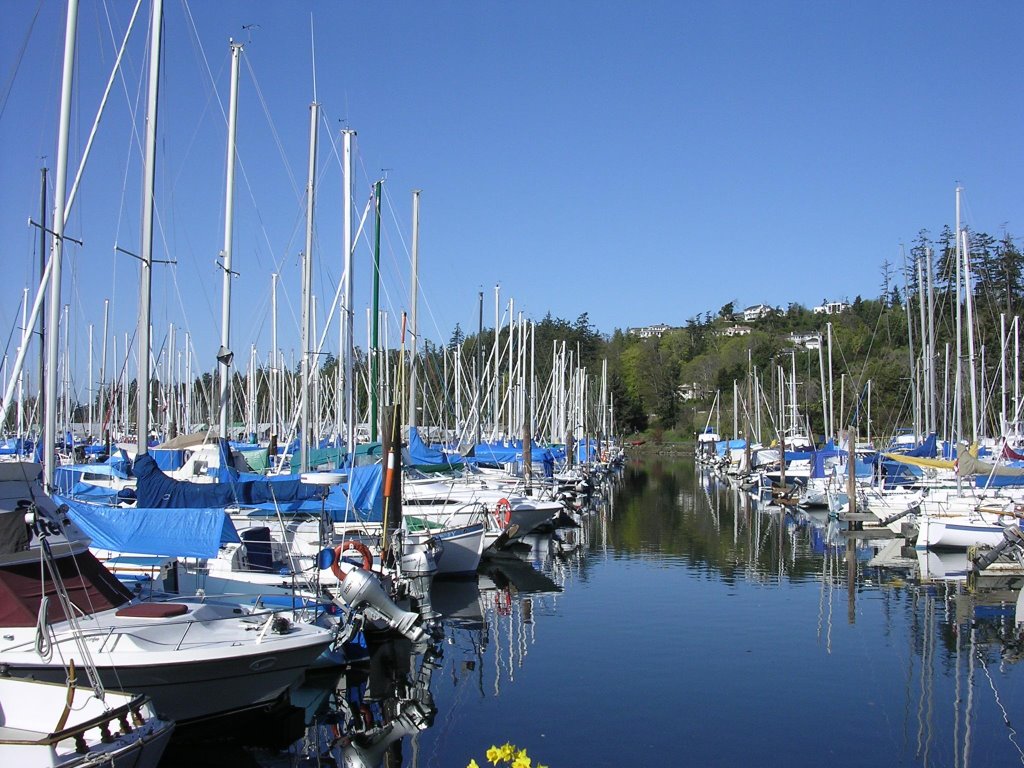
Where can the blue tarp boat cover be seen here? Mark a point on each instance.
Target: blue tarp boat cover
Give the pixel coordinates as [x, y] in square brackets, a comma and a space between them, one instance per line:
[168, 459]
[67, 477]
[364, 486]
[421, 454]
[925, 450]
[15, 446]
[156, 490]
[730, 445]
[96, 494]
[499, 453]
[862, 467]
[196, 532]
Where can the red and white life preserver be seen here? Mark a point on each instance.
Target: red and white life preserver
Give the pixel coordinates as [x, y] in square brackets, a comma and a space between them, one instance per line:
[359, 547]
[503, 512]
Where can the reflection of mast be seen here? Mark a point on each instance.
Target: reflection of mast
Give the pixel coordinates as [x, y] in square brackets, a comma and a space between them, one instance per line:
[851, 581]
[956, 698]
[924, 706]
[970, 698]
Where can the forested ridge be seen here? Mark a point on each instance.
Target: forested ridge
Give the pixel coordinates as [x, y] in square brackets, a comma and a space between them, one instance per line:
[670, 382]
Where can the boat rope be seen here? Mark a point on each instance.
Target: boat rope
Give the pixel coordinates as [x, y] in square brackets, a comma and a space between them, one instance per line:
[21, 55]
[43, 645]
[70, 613]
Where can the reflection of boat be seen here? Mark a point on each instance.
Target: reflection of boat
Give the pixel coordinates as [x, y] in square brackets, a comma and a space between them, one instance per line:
[942, 565]
[501, 573]
[458, 602]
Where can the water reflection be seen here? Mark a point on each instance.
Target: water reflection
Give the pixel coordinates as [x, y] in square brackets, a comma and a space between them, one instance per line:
[675, 582]
[964, 627]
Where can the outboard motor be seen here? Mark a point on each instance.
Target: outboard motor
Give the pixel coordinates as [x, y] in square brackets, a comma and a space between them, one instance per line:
[420, 554]
[360, 588]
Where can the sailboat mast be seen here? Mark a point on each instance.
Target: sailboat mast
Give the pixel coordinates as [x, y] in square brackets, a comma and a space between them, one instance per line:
[413, 327]
[957, 385]
[41, 300]
[103, 363]
[54, 308]
[972, 368]
[307, 280]
[831, 392]
[146, 277]
[224, 357]
[275, 362]
[932, 385]
[926, 402]
[348, 346]
[375, 317]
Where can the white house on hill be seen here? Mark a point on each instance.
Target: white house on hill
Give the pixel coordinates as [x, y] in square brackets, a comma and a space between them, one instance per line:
[650, 331]
[756, 312]
[831, 308]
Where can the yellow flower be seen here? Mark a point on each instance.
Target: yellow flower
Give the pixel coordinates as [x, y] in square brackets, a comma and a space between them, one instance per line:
[522, 761]
[493, 755]
[472, 764]
[507, 751]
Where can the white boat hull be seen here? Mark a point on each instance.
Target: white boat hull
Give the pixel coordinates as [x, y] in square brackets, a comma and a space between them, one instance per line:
[956, 532]
[30, 710]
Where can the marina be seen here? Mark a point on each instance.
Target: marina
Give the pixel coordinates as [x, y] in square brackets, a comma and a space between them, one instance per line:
[351, 522]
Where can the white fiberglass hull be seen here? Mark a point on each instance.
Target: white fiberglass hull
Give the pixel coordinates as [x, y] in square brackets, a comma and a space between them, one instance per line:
[30, 710]
[462, 549]
[956, 532]
[211, 660]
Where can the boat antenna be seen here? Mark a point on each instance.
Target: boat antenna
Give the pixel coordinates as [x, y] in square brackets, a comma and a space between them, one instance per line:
[312, 48]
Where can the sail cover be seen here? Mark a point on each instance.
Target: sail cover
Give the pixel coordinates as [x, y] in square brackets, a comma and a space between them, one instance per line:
[173, 532]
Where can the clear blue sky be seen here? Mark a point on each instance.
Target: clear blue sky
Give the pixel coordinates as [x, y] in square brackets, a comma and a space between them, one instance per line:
[643, 162]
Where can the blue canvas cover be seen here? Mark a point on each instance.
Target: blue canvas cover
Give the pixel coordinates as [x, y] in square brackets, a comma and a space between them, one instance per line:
[177, 533]
[586, 449]
[15, 447]
[925, 450]
[420, 452]
[168, 459]
[498, 453]
[66, 477]
[730, 445]
[156, 490]
[364, 487]
[97, 494]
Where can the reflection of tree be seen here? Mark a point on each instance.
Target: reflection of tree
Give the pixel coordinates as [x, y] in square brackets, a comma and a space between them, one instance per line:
[662, 506]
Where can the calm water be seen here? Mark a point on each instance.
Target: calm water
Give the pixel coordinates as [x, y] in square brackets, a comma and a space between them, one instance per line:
[683, 625]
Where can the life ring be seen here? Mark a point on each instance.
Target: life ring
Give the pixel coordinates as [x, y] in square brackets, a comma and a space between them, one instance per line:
[503, 506]
[359, 547]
